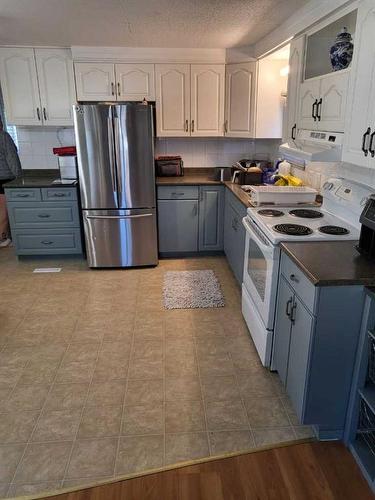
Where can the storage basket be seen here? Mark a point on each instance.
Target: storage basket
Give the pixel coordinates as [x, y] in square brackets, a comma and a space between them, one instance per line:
[371, 357]
[366, 426]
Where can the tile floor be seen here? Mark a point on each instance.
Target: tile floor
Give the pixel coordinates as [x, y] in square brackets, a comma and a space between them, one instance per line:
[98, 380]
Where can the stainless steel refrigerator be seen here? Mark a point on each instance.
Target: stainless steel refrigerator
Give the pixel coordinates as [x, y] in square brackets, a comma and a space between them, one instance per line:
[117, 183]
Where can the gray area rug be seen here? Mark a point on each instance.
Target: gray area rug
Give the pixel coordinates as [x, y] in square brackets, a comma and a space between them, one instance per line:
[191, 290]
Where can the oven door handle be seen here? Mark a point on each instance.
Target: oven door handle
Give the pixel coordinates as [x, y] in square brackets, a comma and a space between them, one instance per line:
[266, 247]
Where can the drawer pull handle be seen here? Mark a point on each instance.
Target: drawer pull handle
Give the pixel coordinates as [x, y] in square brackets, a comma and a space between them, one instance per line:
[292, 313]
[178, 194]
[59, 195]
[294, 278]
[22, 195]
[44, 216]
[288, 304]
[47, 242]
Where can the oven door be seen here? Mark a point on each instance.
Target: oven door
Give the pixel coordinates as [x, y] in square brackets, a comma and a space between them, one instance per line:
[261, 268]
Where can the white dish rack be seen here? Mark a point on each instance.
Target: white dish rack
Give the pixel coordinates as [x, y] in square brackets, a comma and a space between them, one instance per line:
[280, 195]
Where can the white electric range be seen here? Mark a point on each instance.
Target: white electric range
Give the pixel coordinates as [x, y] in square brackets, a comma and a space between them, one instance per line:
[267, 226]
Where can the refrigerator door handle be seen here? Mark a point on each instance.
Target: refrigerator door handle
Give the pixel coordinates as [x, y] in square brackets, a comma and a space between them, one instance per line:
[118, 216]
[116, 122]
[112, 157]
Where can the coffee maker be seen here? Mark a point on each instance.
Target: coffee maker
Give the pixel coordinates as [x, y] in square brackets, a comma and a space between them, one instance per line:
[366, 245]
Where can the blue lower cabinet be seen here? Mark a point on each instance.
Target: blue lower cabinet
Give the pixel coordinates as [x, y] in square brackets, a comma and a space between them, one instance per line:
[178, 226]
[315, 340]
[44, 221]
[211, 218]
[234, 234]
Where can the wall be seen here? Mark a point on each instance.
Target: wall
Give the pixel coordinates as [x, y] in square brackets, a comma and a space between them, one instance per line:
[35, 145]
[35, 148]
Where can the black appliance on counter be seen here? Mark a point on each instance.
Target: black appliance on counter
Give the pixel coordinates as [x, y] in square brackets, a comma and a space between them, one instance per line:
[366, 245]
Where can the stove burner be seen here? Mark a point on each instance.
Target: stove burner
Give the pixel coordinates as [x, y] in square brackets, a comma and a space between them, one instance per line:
[292, 229]
[306, 213]
[335, 230]
[270, 212]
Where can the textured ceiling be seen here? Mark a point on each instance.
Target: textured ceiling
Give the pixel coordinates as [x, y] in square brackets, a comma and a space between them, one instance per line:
[142, 23]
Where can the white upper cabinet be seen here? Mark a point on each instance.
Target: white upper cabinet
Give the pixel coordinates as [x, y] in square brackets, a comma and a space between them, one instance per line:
[172, 100]
[240, 99]
[294, 82]
[308, 101]
[135, 82]
[37, 86]
[56, 85]
[19, 84]
[360, 122]
[332, 102]
[95, 81]
[207, 99]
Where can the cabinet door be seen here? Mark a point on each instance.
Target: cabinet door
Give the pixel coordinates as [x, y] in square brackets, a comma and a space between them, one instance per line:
[19, 85]
[178, 226]
[299, 351]
[309, 94]
[282, 330]
[362, 88]
[207, 99]
[333, 94]
[135, 82]
[172, 100]
[240, 99]
[95, 81]
[56, 84]
[294, 82]
[211, 218]
[234, 241]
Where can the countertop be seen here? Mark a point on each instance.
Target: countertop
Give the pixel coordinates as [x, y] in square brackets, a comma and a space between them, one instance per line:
[39, 179]
[203, 177]
[331, 263]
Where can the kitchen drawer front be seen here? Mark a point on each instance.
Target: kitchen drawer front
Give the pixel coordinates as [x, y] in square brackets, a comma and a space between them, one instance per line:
[235, 203]
[23, 194]
[47, 242]
[178, 192]
[34, 215]
[298, 281]
[59, 194]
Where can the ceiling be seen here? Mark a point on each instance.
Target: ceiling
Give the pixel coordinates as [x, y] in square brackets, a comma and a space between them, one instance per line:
[142, 23]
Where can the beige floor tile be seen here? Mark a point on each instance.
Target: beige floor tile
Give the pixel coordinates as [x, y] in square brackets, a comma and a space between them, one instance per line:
[9, 376]
[75, 372]
[16, 356]
[57, 425]
[216, 365]
[139, 453]
[144, 392]
[88, 334]
[38, 372]
[67, 396]
[81, 353]
[34, 488]
[43, 462]
[294, 420]
[92, 458]
[26, 397]
[266, 412]
[149, 332]
[220, 388]
[16, 427]
[183, 388]
[3, 489]
[183, 364]
[256, 384]
[204, 329]
[184, 447]
[148, 349]
[230, 441]
[211, 346]
[226, 415]
[184, 416]
[4, 394]
[145, 369]
[10, 455]
[273, 436]
[109, 393]
[303, 431]
[111, 367]
[143, 419]
[112, 348]
[102, 421]
[179, 346]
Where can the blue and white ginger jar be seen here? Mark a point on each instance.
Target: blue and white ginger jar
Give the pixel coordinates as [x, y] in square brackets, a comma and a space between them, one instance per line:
[341, 52]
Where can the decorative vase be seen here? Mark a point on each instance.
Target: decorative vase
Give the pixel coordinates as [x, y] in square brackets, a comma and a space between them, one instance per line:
[341, 52]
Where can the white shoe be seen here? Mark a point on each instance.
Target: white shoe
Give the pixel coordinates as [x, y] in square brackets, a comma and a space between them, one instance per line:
[5, 243]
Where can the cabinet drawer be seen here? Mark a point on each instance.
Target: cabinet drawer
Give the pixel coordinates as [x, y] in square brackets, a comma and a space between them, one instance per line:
[24, 194]
[49, 241]
[59, 194]
[33, 215]
[178, 192]
[298, 281]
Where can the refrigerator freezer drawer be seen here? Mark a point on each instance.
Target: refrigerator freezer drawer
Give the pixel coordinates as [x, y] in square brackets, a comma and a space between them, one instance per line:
[121, 238]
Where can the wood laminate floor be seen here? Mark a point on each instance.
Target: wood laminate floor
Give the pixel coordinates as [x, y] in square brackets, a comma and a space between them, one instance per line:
[316, 470]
